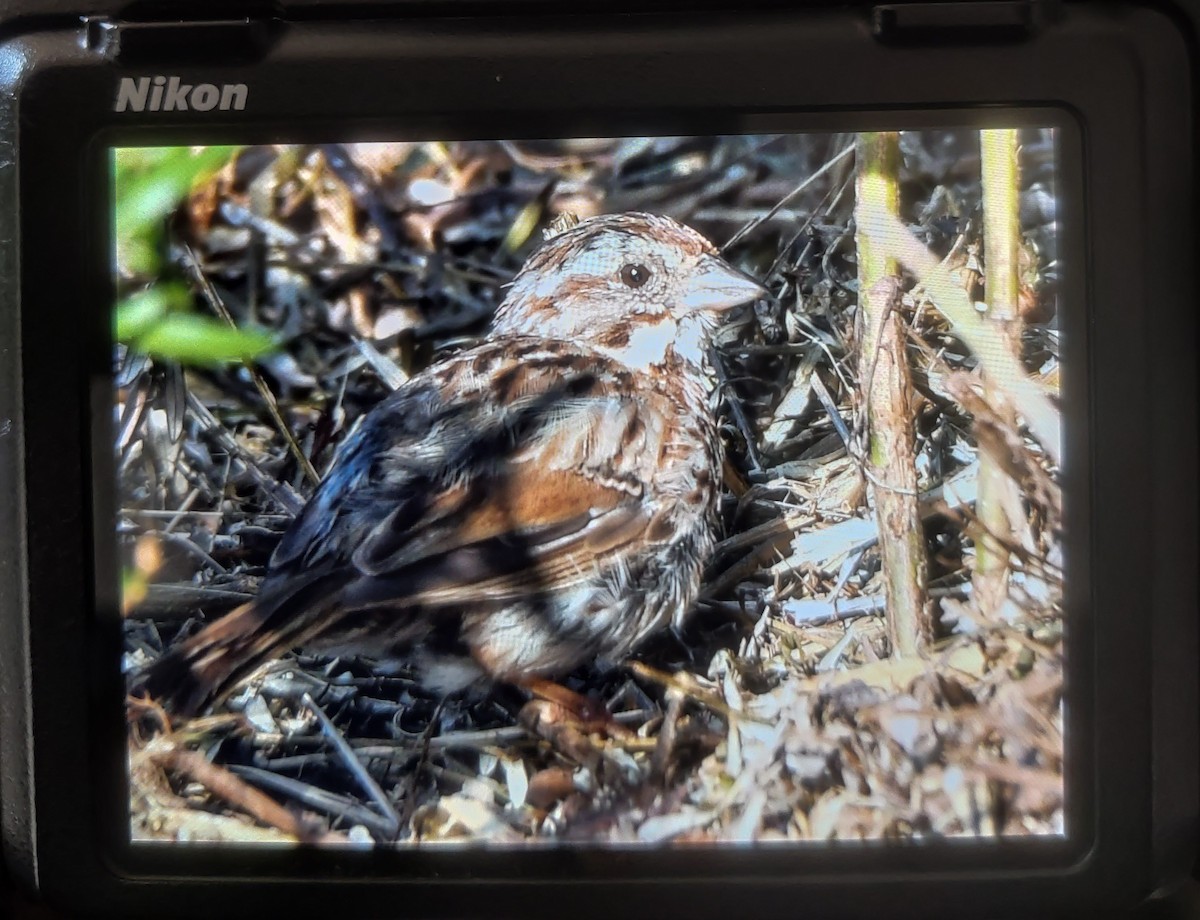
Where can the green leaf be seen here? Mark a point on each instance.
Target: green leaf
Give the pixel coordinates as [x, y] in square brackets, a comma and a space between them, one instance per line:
[149, 184]
[193, 339]
[137, 313]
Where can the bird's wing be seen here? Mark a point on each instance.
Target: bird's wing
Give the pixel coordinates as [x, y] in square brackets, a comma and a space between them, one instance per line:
[498, 475]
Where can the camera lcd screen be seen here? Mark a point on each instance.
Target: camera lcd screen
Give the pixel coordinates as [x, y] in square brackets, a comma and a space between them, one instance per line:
[640, 491]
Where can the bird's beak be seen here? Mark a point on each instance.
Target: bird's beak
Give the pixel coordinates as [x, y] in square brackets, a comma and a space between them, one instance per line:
[717, 285]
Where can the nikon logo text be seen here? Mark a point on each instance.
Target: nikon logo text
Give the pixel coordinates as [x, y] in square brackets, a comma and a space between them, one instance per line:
[170, 94]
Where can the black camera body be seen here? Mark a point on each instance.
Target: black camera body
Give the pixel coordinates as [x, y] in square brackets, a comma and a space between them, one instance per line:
[1112, 82]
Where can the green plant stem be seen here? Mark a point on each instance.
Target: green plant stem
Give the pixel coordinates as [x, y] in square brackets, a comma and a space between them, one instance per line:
[886, 393]
[1001, 241]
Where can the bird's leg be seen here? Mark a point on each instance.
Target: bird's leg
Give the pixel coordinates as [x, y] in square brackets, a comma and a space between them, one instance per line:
[587, 715]
[586, 709]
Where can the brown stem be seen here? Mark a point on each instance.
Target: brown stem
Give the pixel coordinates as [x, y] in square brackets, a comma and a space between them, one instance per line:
[886, 388]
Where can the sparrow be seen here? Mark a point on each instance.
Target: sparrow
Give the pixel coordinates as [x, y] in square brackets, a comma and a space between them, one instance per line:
[538, 501]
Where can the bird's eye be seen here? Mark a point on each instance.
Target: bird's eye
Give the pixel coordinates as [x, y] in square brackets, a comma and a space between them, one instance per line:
[634, 275]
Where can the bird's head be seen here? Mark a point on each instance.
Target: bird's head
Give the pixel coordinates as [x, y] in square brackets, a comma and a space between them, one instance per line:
[644, 289]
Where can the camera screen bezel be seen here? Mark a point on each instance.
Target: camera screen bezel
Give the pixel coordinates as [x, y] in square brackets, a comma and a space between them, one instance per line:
[89, 826]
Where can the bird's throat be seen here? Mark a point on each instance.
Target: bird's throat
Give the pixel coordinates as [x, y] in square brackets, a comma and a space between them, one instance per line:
[649, 344]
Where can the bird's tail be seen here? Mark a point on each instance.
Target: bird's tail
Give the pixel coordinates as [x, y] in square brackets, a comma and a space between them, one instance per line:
[203, 669]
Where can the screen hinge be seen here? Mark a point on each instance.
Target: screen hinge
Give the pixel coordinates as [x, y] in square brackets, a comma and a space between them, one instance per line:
[973, 21]
[234, 41]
